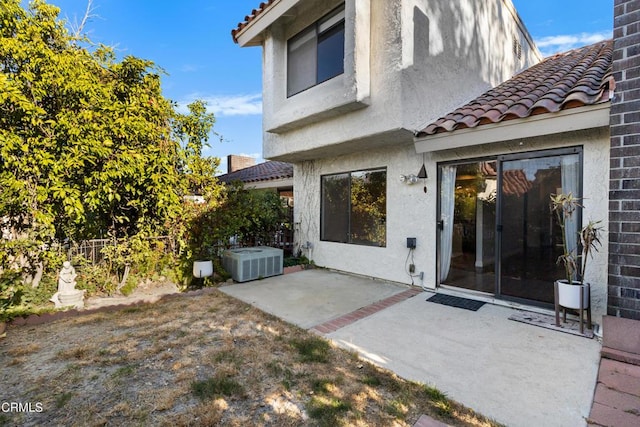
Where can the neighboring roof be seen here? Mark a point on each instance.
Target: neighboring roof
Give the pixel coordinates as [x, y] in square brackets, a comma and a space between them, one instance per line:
[251, 17]
[572, 79]
[267, 171]
[514, 181]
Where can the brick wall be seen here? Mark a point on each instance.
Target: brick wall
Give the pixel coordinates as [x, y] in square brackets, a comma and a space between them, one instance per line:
[624, 194]
[235, 162]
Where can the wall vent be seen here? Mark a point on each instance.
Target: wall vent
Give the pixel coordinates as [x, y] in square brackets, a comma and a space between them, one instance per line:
[517, 48]
[246, 264]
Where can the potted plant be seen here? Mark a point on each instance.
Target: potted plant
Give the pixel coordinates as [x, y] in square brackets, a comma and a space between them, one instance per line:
[572, 291]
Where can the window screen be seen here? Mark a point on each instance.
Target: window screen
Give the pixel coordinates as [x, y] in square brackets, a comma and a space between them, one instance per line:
[316, 54]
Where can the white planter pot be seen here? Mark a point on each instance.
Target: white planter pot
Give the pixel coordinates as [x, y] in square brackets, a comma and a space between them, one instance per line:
[202, 268]
[569, 294]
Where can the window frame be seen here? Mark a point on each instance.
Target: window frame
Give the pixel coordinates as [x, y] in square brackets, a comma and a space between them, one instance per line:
[319, 31]
[349, 239]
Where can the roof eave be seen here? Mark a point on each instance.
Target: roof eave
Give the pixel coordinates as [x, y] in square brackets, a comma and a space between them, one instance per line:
[271, 183]
[573, 119]
[252, 33]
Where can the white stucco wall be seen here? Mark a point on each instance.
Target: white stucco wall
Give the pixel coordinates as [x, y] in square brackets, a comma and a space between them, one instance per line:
[411, 213]
[405, 206]
[453, 51]
[346, 92]
[406, 64]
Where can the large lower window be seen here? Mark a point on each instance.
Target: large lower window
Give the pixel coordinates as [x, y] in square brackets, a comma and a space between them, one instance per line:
[316, 54]
[354, 207]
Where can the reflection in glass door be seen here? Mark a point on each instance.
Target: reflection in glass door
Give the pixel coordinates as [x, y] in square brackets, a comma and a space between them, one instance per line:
[530, 240]
[467, 225]
[496, 232]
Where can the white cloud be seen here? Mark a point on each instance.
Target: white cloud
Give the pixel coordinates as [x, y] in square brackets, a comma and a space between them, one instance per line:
[228, 105]
[189, 68]
[257, 156]
[562, 43]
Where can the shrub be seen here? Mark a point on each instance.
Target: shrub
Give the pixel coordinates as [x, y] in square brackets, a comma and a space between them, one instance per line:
[234, 213]
[299, 260]
[96, 280]
[11, 291]
[130, 285]
[40, 296]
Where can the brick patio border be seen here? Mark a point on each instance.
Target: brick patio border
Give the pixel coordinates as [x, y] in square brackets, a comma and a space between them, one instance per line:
[349, 318]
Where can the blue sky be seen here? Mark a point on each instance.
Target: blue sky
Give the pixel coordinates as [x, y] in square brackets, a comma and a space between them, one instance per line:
[191, 41]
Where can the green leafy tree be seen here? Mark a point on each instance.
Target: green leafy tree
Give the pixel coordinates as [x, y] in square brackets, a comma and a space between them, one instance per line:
[193, 130]
[90, 148]
[86, 142]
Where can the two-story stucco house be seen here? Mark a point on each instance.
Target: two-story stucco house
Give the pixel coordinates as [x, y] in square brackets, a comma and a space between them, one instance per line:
[364, 98]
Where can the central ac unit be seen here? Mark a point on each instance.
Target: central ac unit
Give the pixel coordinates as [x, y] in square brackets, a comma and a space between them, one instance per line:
[246, 264]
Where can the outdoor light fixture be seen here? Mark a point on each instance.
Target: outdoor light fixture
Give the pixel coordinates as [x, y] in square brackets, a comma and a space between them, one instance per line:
[423, 174]
[409, 179]
[412, 179]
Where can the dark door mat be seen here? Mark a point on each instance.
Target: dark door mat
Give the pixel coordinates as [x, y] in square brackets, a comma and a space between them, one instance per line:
[451, 301]
[549, 322]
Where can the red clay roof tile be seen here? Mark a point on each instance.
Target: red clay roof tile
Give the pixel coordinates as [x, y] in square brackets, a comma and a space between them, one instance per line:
[567, 80]
[247, 19]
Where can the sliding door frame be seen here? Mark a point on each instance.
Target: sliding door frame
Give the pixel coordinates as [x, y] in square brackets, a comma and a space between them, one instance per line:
[499, 159]
[554, 152]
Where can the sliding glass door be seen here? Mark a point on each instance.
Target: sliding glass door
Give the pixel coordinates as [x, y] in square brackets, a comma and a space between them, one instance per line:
[496, 232]
[467, 225]
[530, 239]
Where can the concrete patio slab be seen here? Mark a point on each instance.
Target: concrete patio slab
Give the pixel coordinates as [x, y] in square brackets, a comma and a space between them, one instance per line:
[311, 297]
[518, 374]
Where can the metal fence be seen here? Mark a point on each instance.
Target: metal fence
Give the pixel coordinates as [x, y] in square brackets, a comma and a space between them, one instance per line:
[282, 238]
[91, 250]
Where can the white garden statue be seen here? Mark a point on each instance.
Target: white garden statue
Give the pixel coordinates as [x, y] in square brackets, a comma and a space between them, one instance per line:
[68, 295]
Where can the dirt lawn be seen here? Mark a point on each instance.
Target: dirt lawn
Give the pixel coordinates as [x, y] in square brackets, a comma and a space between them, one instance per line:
[203, 359]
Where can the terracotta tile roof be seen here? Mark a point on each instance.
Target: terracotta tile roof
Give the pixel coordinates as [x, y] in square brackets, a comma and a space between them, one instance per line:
[266, 171]
[572, 79]
[251, 17]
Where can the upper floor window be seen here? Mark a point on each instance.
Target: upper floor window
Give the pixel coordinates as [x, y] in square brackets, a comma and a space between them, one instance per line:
[316, 54]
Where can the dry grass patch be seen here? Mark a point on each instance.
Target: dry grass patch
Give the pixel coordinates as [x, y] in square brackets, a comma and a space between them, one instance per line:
[23, 351]
[205, 360]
